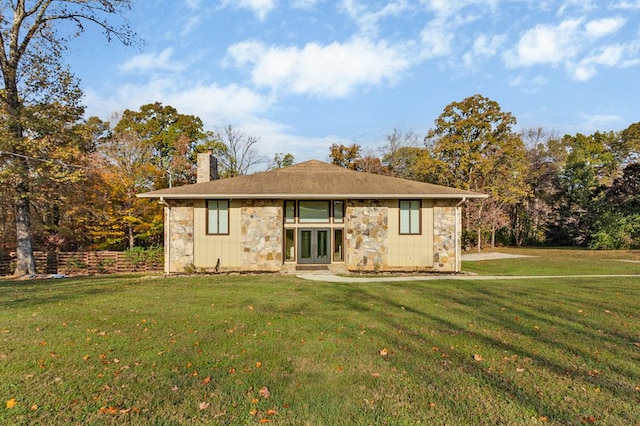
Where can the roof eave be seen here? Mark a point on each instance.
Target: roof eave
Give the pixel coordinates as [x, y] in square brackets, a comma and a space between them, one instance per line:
[311, 196]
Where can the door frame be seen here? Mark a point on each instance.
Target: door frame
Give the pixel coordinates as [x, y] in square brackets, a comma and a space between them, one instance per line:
[315, 259]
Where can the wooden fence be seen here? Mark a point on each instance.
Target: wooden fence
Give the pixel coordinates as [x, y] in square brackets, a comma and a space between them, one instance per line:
[86, 262]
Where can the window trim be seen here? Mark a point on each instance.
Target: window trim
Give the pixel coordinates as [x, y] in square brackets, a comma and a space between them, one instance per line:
[410, 224]
[207, 229]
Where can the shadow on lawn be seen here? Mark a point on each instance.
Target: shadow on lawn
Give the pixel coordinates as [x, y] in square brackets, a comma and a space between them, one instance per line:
[16, 293]
[470, 304]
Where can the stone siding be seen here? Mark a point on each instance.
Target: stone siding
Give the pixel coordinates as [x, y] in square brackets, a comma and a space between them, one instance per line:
[261, 235]
[366, 235]
[179, 235]
[446, 244]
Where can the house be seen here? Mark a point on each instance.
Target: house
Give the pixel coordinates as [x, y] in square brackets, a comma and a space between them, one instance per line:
[310, 215]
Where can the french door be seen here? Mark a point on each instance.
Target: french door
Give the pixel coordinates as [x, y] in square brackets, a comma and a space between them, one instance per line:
[314, 245]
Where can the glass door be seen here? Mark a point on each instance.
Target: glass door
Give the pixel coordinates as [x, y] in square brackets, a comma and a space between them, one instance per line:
[314, 245]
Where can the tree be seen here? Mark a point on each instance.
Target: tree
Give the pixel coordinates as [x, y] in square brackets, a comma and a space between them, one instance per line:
[352, 158]
[281, 161]
[235, 152]
[400, 154]
[472, 147]
[32, 42]
[617, 223]
[170, 138]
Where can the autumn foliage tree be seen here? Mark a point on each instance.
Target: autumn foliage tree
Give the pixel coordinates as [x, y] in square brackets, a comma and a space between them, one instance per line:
[33, 39]
[473, 147]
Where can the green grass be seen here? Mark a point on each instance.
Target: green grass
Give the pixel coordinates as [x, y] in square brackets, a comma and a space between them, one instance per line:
[570, 261]
[134, 350]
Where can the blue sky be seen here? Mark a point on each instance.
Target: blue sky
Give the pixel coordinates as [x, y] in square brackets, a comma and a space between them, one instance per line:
[303, 74]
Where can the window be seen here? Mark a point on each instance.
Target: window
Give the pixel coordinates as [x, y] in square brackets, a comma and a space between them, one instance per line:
[338, 240]
[289, 211]
[338, 211]
[313, 211]
[217, 217]
[409, 216]
[289, 244]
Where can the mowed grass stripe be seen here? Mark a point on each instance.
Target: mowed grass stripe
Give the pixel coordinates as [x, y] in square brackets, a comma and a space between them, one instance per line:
[127, 349]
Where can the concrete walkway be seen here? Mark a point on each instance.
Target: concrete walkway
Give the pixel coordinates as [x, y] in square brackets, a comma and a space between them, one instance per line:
[328, 277]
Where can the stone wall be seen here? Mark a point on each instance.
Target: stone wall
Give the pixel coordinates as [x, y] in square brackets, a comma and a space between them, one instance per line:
[179, 236]
[366, 235]
[446, 252]
[261, 235]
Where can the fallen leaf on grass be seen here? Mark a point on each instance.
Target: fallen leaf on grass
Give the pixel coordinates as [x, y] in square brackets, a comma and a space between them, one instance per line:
[271, 412]
[588, 419]
[206, 380]
[204, 405]
[264, 392]
[11, 403]
[258, 364]
[34, 407]
[477, 357]
[264, 420]
[109, 410]
[519, 370]
[253, 412]
[384, 351]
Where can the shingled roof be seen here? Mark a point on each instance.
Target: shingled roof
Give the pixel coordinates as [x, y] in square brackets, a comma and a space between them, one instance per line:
[311, 180]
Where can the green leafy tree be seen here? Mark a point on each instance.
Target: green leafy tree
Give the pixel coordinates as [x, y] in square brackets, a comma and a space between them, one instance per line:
[171, 139]
[473, 147]
[281, 161]
[33, 38]
[617, 223]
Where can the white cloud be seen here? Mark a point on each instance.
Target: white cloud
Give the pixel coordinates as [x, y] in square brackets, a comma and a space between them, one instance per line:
[152, 62]
[304, 4]
[575, 44]
[546, 44]
[627, 5]
[603, 27]
[437, 38]
[261, 8]
[483, 47]
[596, 122]
[214, 104]
[587, 68]
[366, 19]
[528, 85]
[193, 4]
[333, 70]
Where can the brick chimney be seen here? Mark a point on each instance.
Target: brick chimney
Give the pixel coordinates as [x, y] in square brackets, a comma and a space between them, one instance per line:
[207, 167]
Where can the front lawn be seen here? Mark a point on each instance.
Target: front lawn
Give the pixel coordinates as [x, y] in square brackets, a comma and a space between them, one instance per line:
[258, 349]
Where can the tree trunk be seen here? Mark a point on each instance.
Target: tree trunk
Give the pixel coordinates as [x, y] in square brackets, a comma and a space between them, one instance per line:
[25, 262]
[479, 240]
[493, 236]
[132, 238]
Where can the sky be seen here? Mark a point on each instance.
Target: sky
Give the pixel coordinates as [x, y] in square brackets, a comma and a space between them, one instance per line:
[302, 75]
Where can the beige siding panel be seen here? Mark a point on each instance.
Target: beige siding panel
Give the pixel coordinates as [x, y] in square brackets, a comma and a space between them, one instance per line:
[210, 248]
[411, 251]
